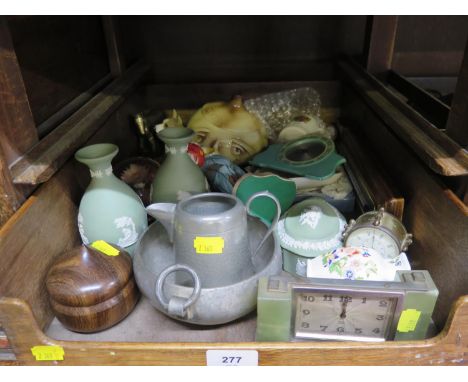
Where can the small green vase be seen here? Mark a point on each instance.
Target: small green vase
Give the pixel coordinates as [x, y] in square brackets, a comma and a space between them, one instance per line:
[109, 209]
[178, 176]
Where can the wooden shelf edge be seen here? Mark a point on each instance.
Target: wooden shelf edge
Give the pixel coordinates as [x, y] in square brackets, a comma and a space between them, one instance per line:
[450, 347]
[374, 180]
[46, 157]
[438, 151]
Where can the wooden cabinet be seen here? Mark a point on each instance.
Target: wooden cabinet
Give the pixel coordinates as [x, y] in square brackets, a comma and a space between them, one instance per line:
[41, 184]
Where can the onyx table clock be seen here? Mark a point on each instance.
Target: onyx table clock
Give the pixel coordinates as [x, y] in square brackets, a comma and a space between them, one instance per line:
[345, 310]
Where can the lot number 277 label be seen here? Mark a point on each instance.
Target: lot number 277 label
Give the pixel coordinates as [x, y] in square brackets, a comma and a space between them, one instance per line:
[232, 358]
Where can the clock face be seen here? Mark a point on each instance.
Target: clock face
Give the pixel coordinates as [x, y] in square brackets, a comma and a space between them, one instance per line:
[374, 238]
[343, 315]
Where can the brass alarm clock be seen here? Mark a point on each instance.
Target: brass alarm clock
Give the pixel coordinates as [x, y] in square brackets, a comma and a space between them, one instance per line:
[379, 230]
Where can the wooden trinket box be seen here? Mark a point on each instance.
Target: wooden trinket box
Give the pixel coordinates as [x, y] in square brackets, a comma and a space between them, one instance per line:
[91, 290]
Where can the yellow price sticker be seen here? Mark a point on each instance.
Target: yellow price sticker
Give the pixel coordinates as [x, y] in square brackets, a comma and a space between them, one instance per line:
[48, 353]
[212, 245]
[105, 248]
[408, 320]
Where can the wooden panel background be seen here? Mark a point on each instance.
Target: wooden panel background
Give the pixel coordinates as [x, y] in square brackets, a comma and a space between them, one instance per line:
[240, 48]
[60, 58]
[457, 125]
[430, 45]
[17, 133]
[193, 96]
[438, 224]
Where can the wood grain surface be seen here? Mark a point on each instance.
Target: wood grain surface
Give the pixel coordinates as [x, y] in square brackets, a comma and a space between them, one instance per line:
[430, 45]
[380, 42]
[240, 48]
[18, 131]
[432, 131]
[424, 105]
[100, 316]
[10, 199]
[439, 225]
[90, 291]
[44, 227]
[39, 164]
[450, 347]
[61, 57]
[194, 95]
[85, 276]
[373, 178]
[113, 44]
[457, 125]
[446, 158]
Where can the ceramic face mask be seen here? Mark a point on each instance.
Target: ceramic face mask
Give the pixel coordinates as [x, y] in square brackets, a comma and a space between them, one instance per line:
[228, 129]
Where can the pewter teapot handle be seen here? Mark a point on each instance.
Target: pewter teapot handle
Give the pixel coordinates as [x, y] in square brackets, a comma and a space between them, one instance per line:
[177, 306]
[274, 221]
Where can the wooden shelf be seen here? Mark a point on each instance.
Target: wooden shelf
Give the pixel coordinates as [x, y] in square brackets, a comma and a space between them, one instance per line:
[146, 324]
[46, 157]
[448, 348]
[440, 153]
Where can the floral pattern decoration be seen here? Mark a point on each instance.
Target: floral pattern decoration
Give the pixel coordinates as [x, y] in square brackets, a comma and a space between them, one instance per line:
[356, 263]
[351, 263]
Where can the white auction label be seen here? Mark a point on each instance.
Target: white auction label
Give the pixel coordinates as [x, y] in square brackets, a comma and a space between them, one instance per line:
[232, 358]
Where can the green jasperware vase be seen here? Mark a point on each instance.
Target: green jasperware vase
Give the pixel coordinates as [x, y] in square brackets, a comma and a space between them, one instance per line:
[109, 210]
[178, 176]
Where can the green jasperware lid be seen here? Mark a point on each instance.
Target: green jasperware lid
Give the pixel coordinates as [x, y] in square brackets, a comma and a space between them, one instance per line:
[311, 228]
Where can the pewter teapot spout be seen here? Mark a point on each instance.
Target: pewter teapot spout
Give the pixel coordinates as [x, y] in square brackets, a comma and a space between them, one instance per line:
[164, 213]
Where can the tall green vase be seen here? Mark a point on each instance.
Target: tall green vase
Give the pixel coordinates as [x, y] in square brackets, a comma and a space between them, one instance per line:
[109, 210]
[178, 175]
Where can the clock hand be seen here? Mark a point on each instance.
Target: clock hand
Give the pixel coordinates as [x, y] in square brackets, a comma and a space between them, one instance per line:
[343, 311]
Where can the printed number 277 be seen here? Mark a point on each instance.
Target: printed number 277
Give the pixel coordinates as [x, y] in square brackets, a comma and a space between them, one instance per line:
[231, 360]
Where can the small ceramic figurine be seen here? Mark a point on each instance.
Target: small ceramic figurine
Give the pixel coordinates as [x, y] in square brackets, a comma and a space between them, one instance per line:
[228, 129]
[174, 120]
[146, 138]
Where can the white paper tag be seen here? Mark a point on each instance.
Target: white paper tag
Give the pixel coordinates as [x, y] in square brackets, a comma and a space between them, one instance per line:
[231, 358]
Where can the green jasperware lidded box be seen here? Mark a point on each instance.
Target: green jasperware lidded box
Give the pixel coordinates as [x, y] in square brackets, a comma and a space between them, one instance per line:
[308, 229]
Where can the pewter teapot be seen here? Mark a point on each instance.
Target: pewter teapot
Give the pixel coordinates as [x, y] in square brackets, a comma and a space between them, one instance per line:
[209, 232]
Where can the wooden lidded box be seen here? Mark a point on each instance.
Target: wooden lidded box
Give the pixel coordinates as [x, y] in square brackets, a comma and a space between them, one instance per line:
[90, 290]
[393, 97]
